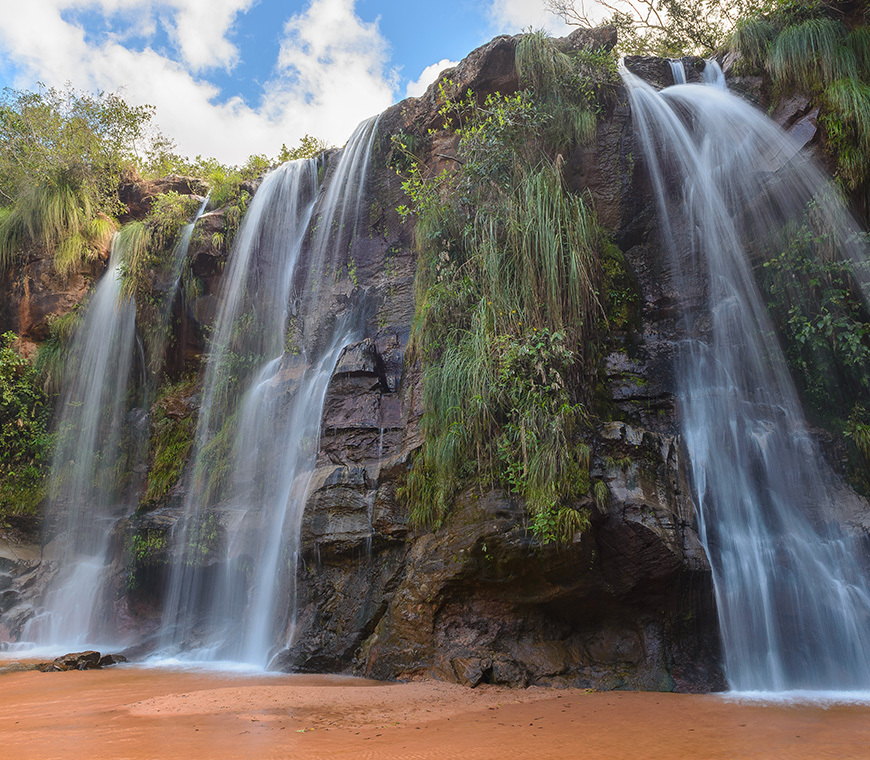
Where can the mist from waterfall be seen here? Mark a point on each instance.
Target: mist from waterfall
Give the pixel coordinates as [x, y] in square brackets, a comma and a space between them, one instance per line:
[793, 600]
[232, 589]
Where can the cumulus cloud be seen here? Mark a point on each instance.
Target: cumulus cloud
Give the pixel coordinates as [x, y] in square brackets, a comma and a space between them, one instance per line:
[428, 75]
[511, 16]
[200, 27]
[331, 72]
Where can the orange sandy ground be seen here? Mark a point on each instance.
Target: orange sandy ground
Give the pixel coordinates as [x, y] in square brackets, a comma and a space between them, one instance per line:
[129, 712]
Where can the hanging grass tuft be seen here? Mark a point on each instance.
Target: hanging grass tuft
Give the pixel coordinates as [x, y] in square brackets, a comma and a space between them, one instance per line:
[58, 216]
[752, 36]
[851, 99]
[811, 54]
[540, 64]
[134, 240]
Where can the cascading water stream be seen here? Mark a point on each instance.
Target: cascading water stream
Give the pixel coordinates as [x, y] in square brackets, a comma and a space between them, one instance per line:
[85, 499]
[793, 601]
[713, 75]
[263, 403]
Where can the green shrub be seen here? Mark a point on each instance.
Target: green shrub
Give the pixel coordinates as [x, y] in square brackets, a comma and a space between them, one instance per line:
[24, 439]
[508, 285]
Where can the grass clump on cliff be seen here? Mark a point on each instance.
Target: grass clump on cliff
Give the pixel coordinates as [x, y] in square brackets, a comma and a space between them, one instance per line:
[24, 438]
[508, 297]
[815, 48]
[63, 154]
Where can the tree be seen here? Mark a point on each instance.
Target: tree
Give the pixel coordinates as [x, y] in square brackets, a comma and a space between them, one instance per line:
[663, 27]
[309, 147]
[62, 155]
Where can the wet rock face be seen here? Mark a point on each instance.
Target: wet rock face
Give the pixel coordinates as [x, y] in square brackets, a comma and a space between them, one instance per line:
[480, 601]
[36, 294]
[628, 604]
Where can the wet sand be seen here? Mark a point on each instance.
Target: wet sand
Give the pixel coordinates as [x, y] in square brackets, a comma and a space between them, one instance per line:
[149, 714]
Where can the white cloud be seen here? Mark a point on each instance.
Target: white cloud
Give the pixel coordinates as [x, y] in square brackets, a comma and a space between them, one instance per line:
[429, 75]
[331, 72]
[200, 28]
[512, 16]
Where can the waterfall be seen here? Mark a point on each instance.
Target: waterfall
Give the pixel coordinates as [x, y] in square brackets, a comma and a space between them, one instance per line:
[279, 334]
[713, 74]
[678, 70]
[794, 604]
[85, 498]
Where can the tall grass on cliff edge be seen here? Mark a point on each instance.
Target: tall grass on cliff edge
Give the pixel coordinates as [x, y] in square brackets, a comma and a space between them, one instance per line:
[514, 317]
[809, 47]
[811, 54]
[134, 240]
[58, 215]
[557, 80]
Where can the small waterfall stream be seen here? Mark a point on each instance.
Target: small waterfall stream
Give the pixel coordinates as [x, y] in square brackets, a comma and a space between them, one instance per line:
[98, 435]
[268, 371]
[793, 602]
[85, 498]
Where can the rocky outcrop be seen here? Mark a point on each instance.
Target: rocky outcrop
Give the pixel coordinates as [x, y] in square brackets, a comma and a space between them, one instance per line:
[89, 660]
[138, 194]
[37, 293]
[628, 604]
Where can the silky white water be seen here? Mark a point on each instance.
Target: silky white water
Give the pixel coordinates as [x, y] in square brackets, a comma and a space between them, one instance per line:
[793, 599]
[232, 588]
[85, 498]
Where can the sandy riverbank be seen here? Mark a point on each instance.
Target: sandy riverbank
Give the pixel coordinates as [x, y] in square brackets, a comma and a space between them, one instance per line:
[152, 714]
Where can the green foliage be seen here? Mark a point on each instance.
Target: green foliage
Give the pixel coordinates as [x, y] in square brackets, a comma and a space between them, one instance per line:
[169, 213]
[203, 538]
[847, 124]
[134, 240]
[309, 147]
[621, 296]
[570, 88]
[808, 45]
[810, 54]
[507, 299]
[824, 323]
[62, 156]
[172, 435]
[214, 465]
[92, 136]
[144, 545]
[668, 28]
[58, 215]
[752, 37]
[24, 438]
[53, 353]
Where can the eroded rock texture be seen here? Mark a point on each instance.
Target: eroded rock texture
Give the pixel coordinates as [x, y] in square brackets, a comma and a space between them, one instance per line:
[627, 604]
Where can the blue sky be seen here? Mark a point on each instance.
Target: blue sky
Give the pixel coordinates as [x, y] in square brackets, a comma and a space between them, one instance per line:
[234, 77]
